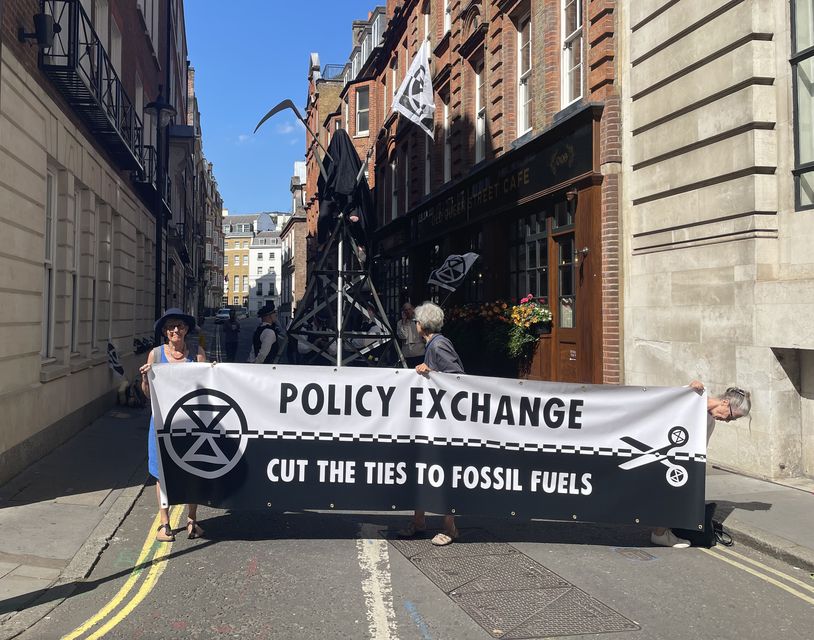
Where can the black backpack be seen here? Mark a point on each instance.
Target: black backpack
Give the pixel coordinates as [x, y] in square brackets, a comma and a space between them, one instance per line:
[713, 533]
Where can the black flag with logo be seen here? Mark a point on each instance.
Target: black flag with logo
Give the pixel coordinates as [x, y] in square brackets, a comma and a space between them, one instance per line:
[451, 274]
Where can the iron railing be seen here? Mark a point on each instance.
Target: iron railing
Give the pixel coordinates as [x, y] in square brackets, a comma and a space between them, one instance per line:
[81, 69]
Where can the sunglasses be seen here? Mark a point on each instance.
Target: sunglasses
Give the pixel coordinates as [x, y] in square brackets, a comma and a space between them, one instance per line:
[175, 326]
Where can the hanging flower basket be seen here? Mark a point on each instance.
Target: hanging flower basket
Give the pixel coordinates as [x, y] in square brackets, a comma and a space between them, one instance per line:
[530, 319]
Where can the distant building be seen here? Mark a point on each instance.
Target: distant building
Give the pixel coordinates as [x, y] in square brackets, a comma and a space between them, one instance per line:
[239, 232]
[265, 265]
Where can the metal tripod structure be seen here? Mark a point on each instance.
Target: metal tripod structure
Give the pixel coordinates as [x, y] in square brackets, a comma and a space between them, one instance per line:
[338, 295]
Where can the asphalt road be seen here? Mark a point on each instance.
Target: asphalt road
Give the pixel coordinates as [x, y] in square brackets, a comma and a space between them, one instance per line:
[315, 575]
[335, 575]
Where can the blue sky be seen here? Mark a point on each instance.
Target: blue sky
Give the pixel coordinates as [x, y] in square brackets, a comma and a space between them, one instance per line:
[248, 55]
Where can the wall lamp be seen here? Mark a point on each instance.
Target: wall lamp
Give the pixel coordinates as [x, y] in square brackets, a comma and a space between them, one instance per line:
[44, 30]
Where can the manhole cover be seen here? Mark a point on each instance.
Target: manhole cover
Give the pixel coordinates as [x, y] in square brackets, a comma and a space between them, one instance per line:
[514, 572]
[574, 613]
[507, 593]
[499, 612]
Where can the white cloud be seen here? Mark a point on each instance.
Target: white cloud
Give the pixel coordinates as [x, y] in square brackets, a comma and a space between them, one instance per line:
[285, 128]
[243, 137]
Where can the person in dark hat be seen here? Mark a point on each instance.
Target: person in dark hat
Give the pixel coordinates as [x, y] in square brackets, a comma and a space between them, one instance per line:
[173, 326]
[266, 338]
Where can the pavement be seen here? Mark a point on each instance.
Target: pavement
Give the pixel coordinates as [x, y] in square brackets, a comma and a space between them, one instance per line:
[57, 517]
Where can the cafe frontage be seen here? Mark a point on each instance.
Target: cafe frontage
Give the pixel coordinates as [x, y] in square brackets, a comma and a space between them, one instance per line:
[534, 216]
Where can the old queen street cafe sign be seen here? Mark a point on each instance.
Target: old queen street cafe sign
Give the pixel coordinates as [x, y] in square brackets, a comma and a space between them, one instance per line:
[296, 437]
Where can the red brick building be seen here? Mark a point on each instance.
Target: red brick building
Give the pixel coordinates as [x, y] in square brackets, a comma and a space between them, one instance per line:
[522, 169]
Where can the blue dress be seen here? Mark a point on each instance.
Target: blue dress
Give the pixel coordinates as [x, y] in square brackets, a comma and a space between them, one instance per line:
[152, 452]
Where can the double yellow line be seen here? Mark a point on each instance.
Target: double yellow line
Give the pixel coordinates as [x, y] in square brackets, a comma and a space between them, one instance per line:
[737, 560]
[117, 609]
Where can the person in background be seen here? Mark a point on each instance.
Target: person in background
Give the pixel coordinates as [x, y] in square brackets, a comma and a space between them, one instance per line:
[439, 356]
[732, 404]
[265, 341]
[231, 333]
[412, 346]
[174, 326]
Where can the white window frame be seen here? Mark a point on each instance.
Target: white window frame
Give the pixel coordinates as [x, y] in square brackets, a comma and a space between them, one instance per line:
[524, 94]
[394, 77]
[447, 17]
[75, 271]
[237, 283]
[360, 111]
[237, 260]
[426, 10]
[49, 266]
[480, 112]
[571, 42]
[260, 255]
[94, 329]
[245, 260]
[394, 189]
[245, 283]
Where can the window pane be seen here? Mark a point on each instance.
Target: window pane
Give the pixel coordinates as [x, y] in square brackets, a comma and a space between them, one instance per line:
[571, 16]
[363, 124]
[804, 24]
[805, 109]
[362, 99]
[525, 48]
[806, 187]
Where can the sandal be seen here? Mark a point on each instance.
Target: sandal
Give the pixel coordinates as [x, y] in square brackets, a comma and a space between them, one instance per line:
[444, 539]
[411, 531]
[193, 529]
[168, 534]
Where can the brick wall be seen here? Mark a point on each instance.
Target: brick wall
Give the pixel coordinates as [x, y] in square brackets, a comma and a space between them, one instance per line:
[453, 55]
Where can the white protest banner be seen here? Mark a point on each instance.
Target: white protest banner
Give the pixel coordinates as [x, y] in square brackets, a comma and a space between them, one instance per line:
[299, 437]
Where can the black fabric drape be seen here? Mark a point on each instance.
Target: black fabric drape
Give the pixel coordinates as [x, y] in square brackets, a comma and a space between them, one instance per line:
[339, 193]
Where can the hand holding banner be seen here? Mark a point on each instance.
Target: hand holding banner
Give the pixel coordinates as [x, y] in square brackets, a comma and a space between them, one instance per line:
[298, 437]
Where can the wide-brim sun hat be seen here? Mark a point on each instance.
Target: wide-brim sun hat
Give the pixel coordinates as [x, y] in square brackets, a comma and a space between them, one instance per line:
[266, 309]
[174, 312]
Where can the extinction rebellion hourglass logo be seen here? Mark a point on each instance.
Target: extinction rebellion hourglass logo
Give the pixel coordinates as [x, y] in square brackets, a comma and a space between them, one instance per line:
[205, 433]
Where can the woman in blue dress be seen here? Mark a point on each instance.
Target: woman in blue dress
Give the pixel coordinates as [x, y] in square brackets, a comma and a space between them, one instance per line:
[174, 325]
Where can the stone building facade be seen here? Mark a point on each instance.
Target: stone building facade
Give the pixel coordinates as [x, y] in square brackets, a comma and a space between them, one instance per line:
[79, 190]
[718, 217]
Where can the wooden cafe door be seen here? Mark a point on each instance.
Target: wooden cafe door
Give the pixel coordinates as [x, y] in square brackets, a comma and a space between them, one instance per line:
[547, 261]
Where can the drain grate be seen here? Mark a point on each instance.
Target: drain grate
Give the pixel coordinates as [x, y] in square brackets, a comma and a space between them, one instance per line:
[506, 592]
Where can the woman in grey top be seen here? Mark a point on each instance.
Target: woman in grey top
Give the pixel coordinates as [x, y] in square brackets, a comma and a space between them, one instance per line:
[440, 356]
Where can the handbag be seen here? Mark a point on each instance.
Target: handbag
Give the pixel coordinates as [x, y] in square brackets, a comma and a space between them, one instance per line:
[713, 533]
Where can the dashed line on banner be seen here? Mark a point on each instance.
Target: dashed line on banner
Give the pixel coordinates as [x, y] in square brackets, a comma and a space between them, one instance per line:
[374, 561]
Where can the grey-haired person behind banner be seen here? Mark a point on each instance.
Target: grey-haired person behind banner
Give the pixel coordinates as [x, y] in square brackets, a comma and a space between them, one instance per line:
[174, 326]
[732, 404]
[440, 356]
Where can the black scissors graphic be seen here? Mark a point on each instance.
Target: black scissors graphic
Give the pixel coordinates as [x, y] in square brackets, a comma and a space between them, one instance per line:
[676, 474]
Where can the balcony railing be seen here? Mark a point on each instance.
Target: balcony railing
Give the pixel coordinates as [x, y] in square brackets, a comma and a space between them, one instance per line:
[82, 71]
[145, 180]
[332, 71]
